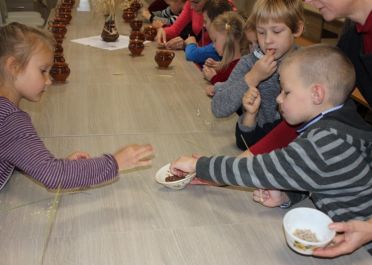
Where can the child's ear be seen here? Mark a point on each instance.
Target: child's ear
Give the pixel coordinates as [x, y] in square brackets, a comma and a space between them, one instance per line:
[300, 29]
[11, 66]
[318, 94]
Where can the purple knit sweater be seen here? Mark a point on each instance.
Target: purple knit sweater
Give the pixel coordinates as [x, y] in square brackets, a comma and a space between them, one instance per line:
[21, 148]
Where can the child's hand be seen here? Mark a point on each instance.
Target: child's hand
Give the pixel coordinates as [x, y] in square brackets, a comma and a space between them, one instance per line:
[161, 37]
[157, 24]
[176, 43]
[246, 153]
[261, 70]
[78, 155]
[208, 72]
[252, 100]
[146, 14]
[209, 90]
[190, 39]
[212, 63]
[133, 156]
[270, 198]
[183, 166]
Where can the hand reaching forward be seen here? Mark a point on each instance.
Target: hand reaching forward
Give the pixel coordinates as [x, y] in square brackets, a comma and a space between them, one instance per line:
[261, 70]
[161, 37]
[352, 235]
[252, 100]
[212, 63]
[176, 43]
[209, 72]
[183, 165]
[133, 156]
[270, 198]
[209, 90]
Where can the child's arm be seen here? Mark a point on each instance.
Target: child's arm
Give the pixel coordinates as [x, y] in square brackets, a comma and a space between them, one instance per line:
[182, 21]
[229, 94]
[197, 54]
[27, 152]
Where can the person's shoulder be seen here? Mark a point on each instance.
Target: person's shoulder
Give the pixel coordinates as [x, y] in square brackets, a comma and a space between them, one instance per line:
[7, 109]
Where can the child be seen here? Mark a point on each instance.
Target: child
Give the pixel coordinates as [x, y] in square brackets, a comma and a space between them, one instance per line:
[226, 31]
[199, 55]
[164, 17]
[26, 56]
[277, 24]
[332, 157]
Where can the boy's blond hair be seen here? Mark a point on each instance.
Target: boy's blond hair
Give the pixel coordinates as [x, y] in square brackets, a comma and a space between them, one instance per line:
[21, 41]
[289, 12]
[231, 24]
[324, 64]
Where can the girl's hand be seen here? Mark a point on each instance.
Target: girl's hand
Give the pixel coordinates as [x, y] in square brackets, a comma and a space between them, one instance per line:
[78, 155]
[190, 39]
[183, 165]
[176, 43]
[212, 63]
[161, 37]
[208, 72]
[270, 198]
[351, 236]
[261, 70]
[209, 90]
[252, 101]
[134, 155]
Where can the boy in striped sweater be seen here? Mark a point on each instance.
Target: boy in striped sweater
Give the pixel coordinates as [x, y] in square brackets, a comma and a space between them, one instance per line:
[332, 157]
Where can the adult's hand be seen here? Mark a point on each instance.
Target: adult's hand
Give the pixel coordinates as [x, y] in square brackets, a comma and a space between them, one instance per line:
[354, 234]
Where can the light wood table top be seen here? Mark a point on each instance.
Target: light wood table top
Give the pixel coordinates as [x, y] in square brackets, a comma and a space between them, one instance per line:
[112, 99]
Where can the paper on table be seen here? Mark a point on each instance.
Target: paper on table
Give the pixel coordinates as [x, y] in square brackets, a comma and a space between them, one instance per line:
[96, 41]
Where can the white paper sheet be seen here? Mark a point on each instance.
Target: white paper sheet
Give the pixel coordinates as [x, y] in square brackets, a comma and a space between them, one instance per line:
[96, 41]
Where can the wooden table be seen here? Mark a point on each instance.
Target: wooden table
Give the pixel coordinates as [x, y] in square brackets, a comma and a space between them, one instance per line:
[112, 99]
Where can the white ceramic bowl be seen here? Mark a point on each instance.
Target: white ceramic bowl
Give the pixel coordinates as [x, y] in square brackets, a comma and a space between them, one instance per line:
[176, 185]
[307, 218]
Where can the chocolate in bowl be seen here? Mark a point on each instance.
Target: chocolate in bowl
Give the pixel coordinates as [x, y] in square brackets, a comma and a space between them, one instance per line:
[172, 178]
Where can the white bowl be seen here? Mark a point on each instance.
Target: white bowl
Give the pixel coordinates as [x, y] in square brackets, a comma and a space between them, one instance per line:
[307, 218]
[176, 185]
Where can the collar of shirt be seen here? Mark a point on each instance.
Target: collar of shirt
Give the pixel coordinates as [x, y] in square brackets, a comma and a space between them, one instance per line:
[366, 31]
[304, 126]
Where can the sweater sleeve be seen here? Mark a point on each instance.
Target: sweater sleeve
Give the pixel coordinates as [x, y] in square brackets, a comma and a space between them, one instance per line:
[22, 147]
[182, 21]
[200, 54]
[229, 94]
[321, 162]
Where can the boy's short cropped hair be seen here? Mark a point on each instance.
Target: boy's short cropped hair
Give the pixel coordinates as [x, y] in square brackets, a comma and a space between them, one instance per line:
[289, 12]
[327, 65]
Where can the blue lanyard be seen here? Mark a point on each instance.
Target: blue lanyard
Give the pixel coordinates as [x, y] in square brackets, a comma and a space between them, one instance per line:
[304, 126]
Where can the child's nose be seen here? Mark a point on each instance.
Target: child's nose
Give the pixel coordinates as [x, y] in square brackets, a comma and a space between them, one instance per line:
[279, 99]
[268, 37]
[48, 80]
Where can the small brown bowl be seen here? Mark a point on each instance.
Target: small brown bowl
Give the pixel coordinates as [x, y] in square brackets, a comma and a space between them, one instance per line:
[164, 58]
[150, 33]
[137, 35]
[136, 24]
[136, 47]
[128, 15]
